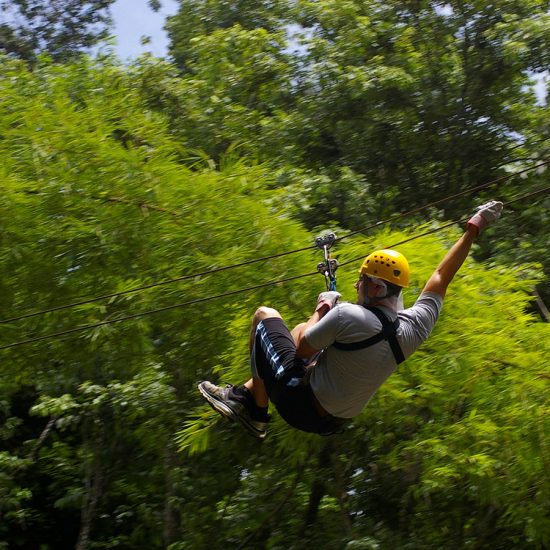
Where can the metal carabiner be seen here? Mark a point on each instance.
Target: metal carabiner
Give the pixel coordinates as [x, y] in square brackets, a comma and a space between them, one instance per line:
[329, 266]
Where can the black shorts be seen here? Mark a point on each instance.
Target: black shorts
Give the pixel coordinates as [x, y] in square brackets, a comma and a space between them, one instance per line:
[274, 360]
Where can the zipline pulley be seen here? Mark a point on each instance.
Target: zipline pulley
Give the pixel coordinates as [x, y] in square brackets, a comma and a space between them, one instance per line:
[330, 265]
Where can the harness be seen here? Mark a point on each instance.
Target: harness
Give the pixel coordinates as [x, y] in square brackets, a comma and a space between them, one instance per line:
[388, 332]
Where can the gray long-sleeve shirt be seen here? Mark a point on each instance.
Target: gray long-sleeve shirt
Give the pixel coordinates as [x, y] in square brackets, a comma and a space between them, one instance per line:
[344, 381]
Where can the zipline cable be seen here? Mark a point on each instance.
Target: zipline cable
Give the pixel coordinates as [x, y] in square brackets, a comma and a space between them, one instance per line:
[429, 232]
[460, 222]
[435, 203]
[527, 195]
[264, 258]
[152, 311]
[238, 291]
[153, 285]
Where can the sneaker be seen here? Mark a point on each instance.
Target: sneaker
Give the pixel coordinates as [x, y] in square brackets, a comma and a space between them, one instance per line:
[224, 401]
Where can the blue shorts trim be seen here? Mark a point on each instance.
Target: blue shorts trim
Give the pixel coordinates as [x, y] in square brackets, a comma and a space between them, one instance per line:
[274, 360]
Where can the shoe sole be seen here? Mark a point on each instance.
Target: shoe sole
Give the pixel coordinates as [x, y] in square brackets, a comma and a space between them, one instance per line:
[226, 411]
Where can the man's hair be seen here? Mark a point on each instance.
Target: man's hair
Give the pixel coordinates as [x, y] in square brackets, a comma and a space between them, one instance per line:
[393, 290]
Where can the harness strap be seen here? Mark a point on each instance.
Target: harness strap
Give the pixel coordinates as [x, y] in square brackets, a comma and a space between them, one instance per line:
[388, 332]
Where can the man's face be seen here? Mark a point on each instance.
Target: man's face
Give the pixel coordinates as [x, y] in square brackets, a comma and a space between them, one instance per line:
[361, 287]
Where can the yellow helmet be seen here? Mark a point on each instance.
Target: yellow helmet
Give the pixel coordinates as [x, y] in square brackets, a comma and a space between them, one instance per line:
[387, 265]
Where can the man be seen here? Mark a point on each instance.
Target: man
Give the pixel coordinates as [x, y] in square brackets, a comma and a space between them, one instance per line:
[361, 344]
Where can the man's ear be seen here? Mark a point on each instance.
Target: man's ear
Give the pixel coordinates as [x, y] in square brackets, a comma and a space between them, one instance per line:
[378, 291]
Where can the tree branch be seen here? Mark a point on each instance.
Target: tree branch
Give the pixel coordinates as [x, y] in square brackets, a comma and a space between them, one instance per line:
[543, 309]
[40, 441]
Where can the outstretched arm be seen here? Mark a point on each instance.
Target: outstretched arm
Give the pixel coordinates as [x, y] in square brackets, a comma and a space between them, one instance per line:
[446, 270]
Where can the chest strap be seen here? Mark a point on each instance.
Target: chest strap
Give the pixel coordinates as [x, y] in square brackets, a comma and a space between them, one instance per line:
[388, 332]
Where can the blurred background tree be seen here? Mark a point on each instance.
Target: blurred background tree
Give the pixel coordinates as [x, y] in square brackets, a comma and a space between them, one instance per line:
[410, 101]
[271, 122]
[59, 28]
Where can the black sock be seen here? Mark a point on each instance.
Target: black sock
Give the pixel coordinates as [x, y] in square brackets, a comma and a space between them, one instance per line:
[260, 413]
[244, 395]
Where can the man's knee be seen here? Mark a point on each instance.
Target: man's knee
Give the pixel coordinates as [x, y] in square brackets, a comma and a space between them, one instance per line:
[264, 312]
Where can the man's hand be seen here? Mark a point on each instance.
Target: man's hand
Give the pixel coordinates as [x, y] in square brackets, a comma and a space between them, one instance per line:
[485, 215]
[439, 281]
[326, 301]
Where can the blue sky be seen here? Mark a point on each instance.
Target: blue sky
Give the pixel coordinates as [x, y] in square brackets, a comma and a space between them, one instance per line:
[134, 19]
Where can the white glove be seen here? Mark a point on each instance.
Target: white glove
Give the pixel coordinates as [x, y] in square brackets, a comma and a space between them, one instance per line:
[485, 214]
[327, 299]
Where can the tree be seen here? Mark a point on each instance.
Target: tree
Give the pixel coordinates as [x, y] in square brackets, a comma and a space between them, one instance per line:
[203, 17]
[105, 190]
[413, 95]
[418, 99]
[60, 28]
[111, 202]
[234, 73]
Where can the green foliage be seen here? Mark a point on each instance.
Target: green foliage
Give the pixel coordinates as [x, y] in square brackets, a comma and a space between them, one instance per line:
[203, 17]
[274, 118]
[195, 438]
[61, 29]
[415, 101]
[98, 198]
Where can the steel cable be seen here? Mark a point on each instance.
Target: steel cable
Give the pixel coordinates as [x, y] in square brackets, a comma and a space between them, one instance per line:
[264, 258]
[239, 291]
